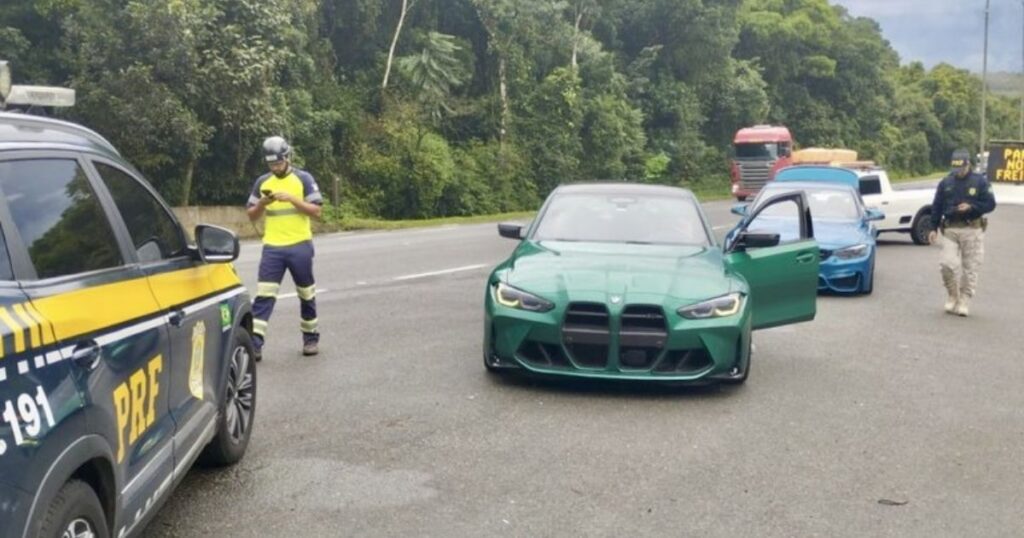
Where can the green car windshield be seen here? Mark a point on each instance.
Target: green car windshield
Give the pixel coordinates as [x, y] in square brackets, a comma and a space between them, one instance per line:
[622, 218]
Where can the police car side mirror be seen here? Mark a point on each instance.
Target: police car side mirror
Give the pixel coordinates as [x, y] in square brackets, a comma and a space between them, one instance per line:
[216, 244]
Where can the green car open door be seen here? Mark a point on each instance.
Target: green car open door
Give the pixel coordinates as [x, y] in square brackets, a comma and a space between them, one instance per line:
[782, 272]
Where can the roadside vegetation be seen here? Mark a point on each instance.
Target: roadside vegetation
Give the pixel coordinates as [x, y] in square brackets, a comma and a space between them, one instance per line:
[422, 109]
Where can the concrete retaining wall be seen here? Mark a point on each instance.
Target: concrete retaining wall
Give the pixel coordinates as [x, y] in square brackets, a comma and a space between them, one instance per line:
[230, 217]
[233, 218]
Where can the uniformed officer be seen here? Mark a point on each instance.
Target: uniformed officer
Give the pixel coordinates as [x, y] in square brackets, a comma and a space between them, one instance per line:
[288, 197]
[961, 201]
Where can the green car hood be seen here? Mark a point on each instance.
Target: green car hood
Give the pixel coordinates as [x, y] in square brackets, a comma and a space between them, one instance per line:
[652, 274]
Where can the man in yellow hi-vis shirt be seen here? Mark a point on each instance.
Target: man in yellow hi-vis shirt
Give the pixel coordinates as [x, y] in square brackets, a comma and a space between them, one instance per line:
[288, 197]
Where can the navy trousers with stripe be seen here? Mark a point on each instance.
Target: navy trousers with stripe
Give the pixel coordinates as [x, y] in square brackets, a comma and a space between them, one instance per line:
[297, 260]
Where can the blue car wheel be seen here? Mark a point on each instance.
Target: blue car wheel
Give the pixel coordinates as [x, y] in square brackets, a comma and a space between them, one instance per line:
[869, 280]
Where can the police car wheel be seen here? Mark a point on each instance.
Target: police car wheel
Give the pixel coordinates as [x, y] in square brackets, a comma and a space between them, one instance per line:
[921, 227]
[238, 406]
[75, 512]
[869, 285]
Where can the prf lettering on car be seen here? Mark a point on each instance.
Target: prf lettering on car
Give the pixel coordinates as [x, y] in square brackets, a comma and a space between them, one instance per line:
[135, 404]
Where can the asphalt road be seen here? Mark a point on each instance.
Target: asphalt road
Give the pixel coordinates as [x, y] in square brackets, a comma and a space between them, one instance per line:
[396, 430]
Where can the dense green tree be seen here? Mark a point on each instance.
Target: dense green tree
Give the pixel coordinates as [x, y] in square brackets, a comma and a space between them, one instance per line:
[489, 104]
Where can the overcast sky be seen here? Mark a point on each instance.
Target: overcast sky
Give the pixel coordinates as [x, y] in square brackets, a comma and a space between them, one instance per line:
[951, 31]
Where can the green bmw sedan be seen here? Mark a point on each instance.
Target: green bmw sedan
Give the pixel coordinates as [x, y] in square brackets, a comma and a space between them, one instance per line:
[627, 281]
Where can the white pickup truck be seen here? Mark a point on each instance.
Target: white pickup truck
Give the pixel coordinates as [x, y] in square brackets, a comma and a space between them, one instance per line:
[906, 211]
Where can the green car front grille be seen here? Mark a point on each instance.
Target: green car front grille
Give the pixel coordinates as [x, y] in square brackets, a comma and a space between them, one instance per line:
[589, 334]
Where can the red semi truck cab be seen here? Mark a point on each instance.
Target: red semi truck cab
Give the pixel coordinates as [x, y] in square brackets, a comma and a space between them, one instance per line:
[758, 153]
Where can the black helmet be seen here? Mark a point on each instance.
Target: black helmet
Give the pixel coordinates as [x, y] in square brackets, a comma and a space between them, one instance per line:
[276, 149]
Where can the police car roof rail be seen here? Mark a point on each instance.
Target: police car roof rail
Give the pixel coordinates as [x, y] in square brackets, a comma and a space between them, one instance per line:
[39, 122]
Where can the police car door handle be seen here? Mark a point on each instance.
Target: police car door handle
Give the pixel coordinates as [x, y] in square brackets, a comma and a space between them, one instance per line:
[86, 354]
[177, 317]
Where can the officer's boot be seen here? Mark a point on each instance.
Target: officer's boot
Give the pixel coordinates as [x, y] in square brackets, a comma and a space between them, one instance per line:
[257, 347]
[952, 289]
[310, 343]
[962, 306]
[953, 300]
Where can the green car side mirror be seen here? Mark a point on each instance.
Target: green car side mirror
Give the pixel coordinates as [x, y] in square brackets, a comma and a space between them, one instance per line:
[511, 231]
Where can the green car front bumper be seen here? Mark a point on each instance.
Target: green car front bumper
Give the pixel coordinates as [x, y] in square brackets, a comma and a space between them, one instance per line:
[635, 342]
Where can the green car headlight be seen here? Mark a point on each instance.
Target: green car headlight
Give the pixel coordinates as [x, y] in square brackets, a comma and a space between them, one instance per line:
[719, 307]
[851, 253]
[515, 298]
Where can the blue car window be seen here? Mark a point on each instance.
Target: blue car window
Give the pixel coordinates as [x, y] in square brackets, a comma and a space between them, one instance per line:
[782, 218]
[825, 204]
[833, 205]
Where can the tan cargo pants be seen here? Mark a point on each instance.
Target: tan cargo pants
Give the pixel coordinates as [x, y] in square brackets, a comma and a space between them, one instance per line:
[963, 250]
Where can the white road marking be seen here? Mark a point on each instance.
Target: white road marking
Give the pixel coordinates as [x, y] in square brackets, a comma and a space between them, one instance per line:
[441, 272]
[294, 294]
[717, 228]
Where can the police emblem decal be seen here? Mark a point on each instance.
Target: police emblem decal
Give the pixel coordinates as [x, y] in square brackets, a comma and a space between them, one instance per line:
[225, 316]
[616, 299]
[195, 373]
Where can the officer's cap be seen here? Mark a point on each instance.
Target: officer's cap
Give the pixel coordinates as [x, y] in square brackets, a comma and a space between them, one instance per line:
[961, 158]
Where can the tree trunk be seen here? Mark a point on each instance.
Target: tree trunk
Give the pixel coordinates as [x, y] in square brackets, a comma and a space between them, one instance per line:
[239, 154]
[190, 169]
[503, 92]
[576, 37]
[497, 48]
[394, 43]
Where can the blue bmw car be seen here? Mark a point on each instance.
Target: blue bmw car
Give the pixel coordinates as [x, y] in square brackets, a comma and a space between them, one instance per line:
[843, 227]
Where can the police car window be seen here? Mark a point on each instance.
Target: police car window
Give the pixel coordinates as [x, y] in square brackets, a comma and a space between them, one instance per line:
[58, 216]
[155, 235]
[6, 273]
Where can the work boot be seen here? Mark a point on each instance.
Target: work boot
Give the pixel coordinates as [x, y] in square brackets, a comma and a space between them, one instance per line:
[310, 348]
[961, 307]
[951, 303]
[257, 347]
